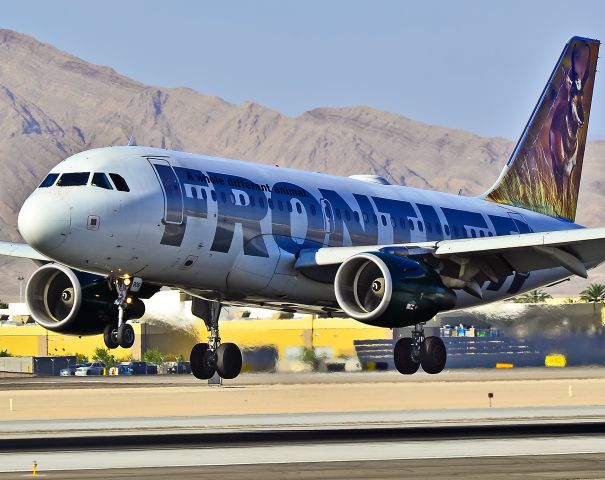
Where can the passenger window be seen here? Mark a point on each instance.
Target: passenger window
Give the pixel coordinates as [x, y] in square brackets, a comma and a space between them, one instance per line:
[242, 200]
[119, 182]
[366, 219]
[356, 216]
[101, 180]
[481, 233]
[232, 198]
[73, 179]
[402, 223]
[204, 195]
[280, 205]
[338, 215]
[374, 219]
[473, 234]
[49, 180]
[438, 229]
[446, 229]
[270, 204]
[347, 215]
[193, 192]
[383, 219]
[420, 226]
[261, 202]
[298, 208]
[393, 223]
[213, 195]
[411, 224]
[289, 205]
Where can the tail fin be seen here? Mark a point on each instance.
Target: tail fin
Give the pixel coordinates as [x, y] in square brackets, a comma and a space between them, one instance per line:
[543, 173]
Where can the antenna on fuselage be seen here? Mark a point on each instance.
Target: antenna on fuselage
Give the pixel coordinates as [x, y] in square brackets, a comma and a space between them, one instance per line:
[132, 141]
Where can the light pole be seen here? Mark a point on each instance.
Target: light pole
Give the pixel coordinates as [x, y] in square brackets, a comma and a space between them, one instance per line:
[20, 278]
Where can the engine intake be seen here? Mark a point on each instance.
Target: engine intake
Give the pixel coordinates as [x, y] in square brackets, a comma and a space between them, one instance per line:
[390, 291]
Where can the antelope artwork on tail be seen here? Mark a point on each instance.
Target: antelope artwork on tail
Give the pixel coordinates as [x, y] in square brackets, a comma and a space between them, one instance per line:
[568, 117]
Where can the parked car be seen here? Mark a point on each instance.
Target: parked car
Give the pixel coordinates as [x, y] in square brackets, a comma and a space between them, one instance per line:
[136, 368]
[71, 370]
[179, 367]
[95, 368]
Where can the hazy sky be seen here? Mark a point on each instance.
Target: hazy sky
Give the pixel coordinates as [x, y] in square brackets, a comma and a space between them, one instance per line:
[475, 65]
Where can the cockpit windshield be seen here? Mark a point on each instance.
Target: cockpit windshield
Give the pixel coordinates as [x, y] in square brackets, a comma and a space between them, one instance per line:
[73, 179]
[101, 180]
[119, 182]
[49, 180]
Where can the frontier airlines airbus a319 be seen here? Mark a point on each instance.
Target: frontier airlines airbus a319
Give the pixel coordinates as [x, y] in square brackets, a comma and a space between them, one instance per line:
[111, 226]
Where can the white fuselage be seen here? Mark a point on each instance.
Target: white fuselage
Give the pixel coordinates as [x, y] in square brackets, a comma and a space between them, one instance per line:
[231, 229]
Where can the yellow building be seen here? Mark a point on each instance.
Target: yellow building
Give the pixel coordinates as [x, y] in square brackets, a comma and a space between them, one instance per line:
[33, 340]
[332, 337]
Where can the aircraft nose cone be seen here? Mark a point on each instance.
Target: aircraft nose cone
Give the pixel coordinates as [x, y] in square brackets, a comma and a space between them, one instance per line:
[44, 222]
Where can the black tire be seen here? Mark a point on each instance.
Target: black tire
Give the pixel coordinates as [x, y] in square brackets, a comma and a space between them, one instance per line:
[402, 354]
[228, 360]
[126, 335]
[433, 355]
[201, 360]
[110, 337]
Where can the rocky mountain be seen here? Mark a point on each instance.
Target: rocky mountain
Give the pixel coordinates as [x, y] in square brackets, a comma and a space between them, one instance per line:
[53, 104]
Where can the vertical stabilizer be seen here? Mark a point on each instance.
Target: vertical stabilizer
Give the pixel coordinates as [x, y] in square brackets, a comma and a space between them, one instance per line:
[543, 173]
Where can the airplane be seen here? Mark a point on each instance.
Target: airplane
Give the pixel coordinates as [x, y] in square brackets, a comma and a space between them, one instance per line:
[111, 226]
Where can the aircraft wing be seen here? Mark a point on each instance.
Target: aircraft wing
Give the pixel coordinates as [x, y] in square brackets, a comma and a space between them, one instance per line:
[466, 263]
[21, 250]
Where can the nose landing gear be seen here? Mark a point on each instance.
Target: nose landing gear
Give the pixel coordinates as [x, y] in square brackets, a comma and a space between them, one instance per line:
[213, 357]
[410, 353]
[122, 334]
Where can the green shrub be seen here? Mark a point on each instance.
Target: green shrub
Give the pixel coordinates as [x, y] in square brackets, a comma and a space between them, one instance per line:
[103, 355]
[153, 356]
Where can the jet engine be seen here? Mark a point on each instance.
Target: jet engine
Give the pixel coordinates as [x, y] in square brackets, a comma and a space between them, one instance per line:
[390, 291]
[72, 302]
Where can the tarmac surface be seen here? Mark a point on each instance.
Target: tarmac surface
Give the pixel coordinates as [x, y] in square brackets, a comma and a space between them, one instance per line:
[542, 423]
[544, 454]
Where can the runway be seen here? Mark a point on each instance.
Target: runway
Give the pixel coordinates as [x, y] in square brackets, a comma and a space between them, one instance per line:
[542, 423]
[584, 466]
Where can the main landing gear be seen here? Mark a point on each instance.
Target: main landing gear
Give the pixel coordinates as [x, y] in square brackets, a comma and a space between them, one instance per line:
[214, 357]
[410, 353]
[122, 334]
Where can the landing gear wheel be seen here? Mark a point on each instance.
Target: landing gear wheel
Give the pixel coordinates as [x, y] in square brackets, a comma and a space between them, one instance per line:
[110, 336]
[203, 361]
[433, 355]
[403, 354]
[228, 360]
[126, 335]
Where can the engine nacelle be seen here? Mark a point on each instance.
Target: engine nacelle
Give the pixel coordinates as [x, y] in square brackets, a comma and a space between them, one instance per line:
[390, 291]
[72, 302]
